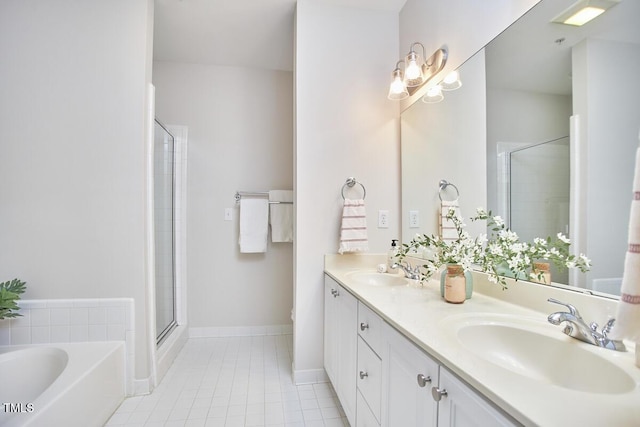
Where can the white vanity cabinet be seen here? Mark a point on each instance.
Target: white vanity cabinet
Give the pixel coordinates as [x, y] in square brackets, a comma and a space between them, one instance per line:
[369, 379]
[383, 379]
[464, 407]
[417, 391]
[408, 376]
[340, 343]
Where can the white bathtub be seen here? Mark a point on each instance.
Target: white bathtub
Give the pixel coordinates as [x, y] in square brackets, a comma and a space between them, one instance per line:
[75, 384]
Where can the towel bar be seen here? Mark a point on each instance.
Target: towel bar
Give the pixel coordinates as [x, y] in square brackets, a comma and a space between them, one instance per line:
[444, 184]
[240, 194]
[350, 182]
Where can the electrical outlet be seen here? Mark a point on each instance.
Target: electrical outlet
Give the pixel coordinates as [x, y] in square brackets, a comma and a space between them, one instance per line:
[414, 219]
[383, 219]
[228, 214]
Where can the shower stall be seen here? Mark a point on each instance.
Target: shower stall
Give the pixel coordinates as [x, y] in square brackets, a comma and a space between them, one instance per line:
[535, 191]
[164, 181]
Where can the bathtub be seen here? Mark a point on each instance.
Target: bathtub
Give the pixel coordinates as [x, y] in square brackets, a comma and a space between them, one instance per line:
[74, 384]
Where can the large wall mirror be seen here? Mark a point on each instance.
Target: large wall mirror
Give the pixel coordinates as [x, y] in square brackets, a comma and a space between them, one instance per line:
[543, 132]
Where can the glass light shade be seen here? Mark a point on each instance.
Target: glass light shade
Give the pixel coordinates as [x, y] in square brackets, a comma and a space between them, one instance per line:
[413, 75]
[397, 88]
[451, 81]
[433, 95]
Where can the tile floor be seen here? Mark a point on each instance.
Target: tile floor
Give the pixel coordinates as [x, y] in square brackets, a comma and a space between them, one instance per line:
[234, 381]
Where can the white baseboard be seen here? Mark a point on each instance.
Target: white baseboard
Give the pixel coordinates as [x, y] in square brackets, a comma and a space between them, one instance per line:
[141, 387]
[309, 376]
[239, 331]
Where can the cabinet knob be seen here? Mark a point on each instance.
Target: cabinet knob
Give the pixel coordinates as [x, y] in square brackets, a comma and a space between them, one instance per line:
[363, 375]
[423, 381]
[364, 326]
[438, 393]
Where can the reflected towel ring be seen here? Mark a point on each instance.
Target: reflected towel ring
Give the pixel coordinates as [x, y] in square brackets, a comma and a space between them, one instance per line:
[351, 181]
[444, 184]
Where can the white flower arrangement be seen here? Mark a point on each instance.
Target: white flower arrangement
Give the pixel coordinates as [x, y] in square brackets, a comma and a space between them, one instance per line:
[501, 250]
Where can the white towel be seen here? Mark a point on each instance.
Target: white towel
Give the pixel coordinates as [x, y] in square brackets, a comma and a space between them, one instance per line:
[448, 230]
[281, 215]
[628, 317]
[254, 224]
[353, 232]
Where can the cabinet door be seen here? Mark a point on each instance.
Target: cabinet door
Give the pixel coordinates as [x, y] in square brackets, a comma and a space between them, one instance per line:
[463, 407]
[407, 377]
[340, 344]
[347, 337]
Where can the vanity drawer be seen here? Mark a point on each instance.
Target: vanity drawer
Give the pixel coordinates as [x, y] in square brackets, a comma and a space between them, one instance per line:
[369, 377]
[364, 416]
[370, 327]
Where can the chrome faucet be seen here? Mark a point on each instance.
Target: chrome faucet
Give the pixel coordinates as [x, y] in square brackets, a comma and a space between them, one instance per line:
[409, 272]
[577, 328]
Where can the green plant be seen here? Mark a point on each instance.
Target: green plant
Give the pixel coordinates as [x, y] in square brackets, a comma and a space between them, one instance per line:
[9, 295]
[501, 250]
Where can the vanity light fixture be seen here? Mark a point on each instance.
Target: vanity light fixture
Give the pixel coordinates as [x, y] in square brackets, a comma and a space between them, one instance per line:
[413, 73]
[416, 72]
[397, 88]
[433, 95]
[451, 81]
[584, 11]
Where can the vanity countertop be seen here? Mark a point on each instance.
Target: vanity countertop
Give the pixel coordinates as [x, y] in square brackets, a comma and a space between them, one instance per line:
[424, 317]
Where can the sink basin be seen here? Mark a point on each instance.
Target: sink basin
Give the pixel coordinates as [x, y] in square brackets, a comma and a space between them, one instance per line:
[373, 278]
[533, 350]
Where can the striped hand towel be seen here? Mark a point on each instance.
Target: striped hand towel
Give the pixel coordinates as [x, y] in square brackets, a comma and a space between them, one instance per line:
[628, 317]
[448, 230]
[353, 232]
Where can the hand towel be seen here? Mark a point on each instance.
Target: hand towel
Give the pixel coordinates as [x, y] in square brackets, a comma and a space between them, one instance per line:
[628, 317]
[281, 215]
[448, 230]
[254, 225]
[353, 232]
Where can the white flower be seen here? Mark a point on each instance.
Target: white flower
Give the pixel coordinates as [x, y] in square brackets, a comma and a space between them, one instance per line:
[493, 279]
[481, 212]
[540, 241]
[498, 220]
[586, 261]
[563, 238]
[570, 264]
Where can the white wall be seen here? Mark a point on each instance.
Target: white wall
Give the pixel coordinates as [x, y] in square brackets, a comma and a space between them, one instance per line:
[525, 118]
[240, 138]
[446, 140]
[72, 180]
[345, 126]
[609, 150]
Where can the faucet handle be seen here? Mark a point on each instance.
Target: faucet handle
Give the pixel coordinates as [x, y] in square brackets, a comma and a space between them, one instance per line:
[570, 307]
[608, 326]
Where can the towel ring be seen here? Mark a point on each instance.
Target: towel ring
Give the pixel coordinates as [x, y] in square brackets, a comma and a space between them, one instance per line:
[351, 181]
[444, 184]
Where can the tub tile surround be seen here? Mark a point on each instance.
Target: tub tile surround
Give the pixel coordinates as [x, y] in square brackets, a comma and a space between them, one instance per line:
[420, 314]
[48, 321]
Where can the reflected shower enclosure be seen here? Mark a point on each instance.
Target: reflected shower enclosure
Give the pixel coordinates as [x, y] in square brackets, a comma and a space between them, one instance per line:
[535, 191]
[164, 209]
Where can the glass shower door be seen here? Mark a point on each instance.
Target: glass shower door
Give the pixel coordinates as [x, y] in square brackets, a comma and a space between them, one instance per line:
[164, 194]
[539, 192]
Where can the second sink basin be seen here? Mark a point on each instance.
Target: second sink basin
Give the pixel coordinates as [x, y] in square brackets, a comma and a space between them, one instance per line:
[377, 279]
[531, 349]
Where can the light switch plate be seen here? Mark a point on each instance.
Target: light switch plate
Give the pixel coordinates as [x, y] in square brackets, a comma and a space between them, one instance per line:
[414, 219]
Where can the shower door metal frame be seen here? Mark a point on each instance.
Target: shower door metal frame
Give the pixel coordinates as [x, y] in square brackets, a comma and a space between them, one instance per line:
[160, 337]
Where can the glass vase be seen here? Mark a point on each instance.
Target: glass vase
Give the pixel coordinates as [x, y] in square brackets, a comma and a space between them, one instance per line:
[468, 281]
